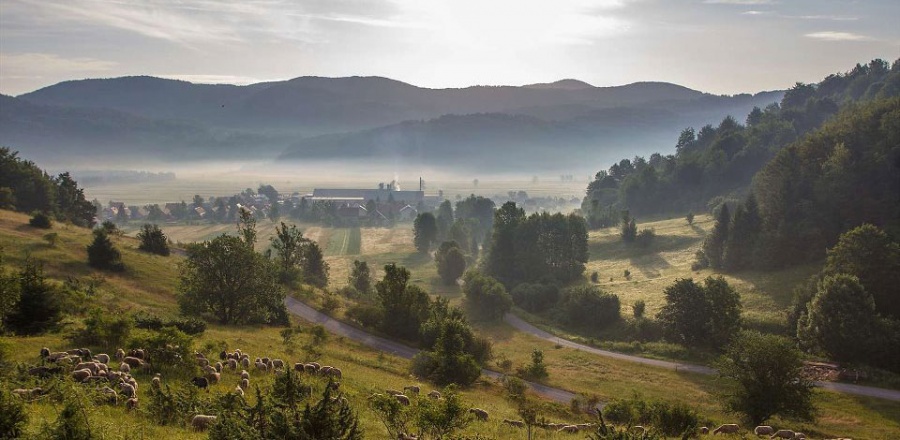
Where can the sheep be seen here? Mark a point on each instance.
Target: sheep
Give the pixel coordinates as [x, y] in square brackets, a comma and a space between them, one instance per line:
[113, 376]
[201, 382]
[131, 403]
[75, 351]
[201, 422]
[278, 363]
[209, 369]
[402, 399]
[155, 382]
[783, 433]
[728, 428]
[402, 436]
[704, 430]
[261, 367]
[213, 377]
[434, 394]
[88, 365]
[270, 367]
[569, 429]
[414, 389]
[393, 392]
[298, 367]
[28, 393]
[334, 385]
[120, 354]
[111, 395]
[133, 362]
[219, 367]
[480, 414]
[514, 423]
[57, 356]
[310, 368]
[336, 372]
[326, 370]
[763, 430]
[245, 362]
[81, 375]
[232, 364]
[245, 383]
[316, 364]
[125, 368]
[127, 390]
[223, 355]
[45, 352]
[799, 436]
[245, 375]
[86, 354]
[239, 391]
[202, 362]
[138, 353]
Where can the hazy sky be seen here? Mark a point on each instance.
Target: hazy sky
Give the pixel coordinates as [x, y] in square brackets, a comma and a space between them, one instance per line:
[720, 46]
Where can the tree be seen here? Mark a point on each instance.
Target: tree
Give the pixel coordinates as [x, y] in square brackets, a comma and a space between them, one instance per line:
[448, 362]
[227, 279]
[37, 306]
[629, 228]
[765, 374]
[451, 263]
[536, 370]
[331, 418]
[102, 254]
[270, 192]
[441, 417]
[486, 296]
[690, 218]
[13, 417]
[247, 227]
[589, 307]
[444, 219]
[841, 320]
[315, 269]
[153, 240]
[714, 245]
[289, 246]
[870, 255]
[743, 236]
[361, 277]
[695, 315]
[425, 230]
[405, 305]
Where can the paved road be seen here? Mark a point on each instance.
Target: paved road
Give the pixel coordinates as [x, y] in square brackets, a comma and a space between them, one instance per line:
[337, 327]
[847, 388]
[310, 314]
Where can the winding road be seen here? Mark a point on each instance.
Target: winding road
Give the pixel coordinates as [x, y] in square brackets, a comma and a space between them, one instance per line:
[337, 327]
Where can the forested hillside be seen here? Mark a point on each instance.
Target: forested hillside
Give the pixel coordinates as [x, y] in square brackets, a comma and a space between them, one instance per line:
[722, 160]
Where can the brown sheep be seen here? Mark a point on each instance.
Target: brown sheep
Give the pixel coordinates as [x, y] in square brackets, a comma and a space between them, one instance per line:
[799, 436]
[45, 352]
[402, 436]
[278, 363]
[245, 375]
[202, 422]
[155, 382]
[239, 391]
[232, 364]
[402, 399]
[245, 383]
[764, 430]
[393, 392]
[81, 375]
[102, 358]
[434, 394]
[131, 403]
[728, 428]
[133, 362]
[336, 372]
[127, 390]
[219, 367]
[514, 423]
[125, 368]
[783, 433]
[298, 367]
[245, 362]
[310, 368]
[213, 377]
[120, 354]
[112, 397]
[138, 353]
[480, 414]
[413, 389]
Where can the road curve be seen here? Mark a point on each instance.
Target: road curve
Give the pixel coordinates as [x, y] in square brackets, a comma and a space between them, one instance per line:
[847, 388]
[339, 328]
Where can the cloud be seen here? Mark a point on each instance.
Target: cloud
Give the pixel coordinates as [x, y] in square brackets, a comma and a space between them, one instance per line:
[837, 36]
[756, 12]
[739, 2]
[32, 64]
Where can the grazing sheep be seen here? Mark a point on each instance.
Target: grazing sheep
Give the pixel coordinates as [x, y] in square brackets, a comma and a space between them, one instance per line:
[209, 369]
[704, 430]
[202, 422]
[219, 367]
[278, 363]
[245, 362]
[325, 370]
[75, 351]
[434, 394]
[262, 367]
[223, 355]
[81, 375]
[155, 382]
[133, 362]
[131, 403]
[138, 353]
[213, 377]
[45, 352]
[239, 391]
[569, 429]
[310, 368]
[88, 365]
[334, 385]
[414, 389]
[28, 392]
[125, 368]
[514, 423]
[245, 383]
[402, 399]
[201, 382]
[270, 366]
[402, 436]
[203, 362]
[232, 364]
[728, 428]
[298, 367]
[245, 375]
[316, 364]
[86, 354]
[763, 430]
[783, 433]
[480, 414]
[112, 396]
[57, 356]
[127, 390]
[120, 354]
[799, 436]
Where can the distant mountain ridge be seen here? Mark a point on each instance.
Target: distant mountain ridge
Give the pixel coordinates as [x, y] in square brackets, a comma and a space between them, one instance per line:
[333, 118]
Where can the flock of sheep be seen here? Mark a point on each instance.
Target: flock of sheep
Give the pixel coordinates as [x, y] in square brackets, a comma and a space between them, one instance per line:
[95, 368]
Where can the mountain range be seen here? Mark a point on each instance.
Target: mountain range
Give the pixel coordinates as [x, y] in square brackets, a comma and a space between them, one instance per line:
[373, 118]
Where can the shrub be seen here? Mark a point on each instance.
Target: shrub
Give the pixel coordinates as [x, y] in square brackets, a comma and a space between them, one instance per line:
[190, 326]
[535, 297]
[487, 297]
[38, 306]
[40, 220]
[536, 370]
[13, 417]
[638, 308]
[588, 307]
[72, 423]
[168, 350]
[153, 240]
[671, 419]
[102, 254]
[595, 277]
[645, 237]
[705, 315]
[366, 314]
[627, 274]
[451, 263]
[51, 238]
[690, 218]
[108, 330]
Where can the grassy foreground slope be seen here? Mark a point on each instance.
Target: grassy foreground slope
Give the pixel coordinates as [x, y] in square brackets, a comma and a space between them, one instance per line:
[149, 284]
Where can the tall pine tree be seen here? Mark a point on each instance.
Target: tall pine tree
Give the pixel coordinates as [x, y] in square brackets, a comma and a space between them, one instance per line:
[714, 246]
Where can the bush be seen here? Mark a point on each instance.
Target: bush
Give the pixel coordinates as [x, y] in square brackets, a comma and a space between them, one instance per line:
[707, 315]
[638, 308]
[153, 240]
[668, 418]
[13, 417]
[51, 238]
[588, 307]
[690, 218]
[536, 370]
[72, 423]
[40, 220]
[366, 314]
[167, 350]
[451, 263]
[108, 330]
[190, 326]
[595, 277]
[487, 297]
[535, 297]
[645, 237]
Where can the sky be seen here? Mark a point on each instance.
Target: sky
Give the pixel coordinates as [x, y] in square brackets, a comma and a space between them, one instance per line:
[717, 46]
